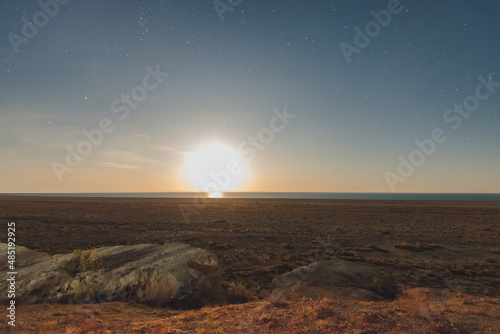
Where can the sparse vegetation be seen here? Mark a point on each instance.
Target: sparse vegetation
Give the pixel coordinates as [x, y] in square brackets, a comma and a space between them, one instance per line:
[377, 286]
[367, 233]
[159, 293]
[413, 312]
[324, 310]
[82, 261]
[239, 293]
[84, 293]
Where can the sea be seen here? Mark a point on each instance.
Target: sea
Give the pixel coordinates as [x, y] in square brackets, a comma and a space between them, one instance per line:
[288, 195]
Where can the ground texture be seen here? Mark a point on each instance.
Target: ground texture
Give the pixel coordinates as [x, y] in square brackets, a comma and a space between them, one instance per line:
[445, 254]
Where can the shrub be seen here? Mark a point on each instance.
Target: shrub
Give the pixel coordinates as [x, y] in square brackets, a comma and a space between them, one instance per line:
[238, 293]
[91, 261]
[82, 261]
[83, 292]
[160, 293]
[324, 311]
[377, 286]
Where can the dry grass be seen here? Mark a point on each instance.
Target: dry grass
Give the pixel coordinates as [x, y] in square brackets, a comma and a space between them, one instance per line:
[252, 245]
[239, 293]
[415, 311]
[82, 261]
[78, 323]
[159, 293]
[325, 311]
[83, 293]
[247, 235]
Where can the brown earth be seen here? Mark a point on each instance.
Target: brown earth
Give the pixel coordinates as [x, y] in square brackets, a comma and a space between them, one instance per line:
[449, 246]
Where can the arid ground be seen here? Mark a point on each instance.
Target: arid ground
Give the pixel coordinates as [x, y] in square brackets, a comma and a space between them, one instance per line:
[449, 250]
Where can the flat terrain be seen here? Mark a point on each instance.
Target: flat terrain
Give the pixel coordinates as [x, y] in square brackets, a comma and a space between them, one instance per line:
[449, 246]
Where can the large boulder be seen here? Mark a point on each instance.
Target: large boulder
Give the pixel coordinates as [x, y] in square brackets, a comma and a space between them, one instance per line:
[334, 278]
[170, 274]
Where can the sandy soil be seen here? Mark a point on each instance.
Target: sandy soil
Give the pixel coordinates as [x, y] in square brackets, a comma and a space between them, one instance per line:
[444, 245]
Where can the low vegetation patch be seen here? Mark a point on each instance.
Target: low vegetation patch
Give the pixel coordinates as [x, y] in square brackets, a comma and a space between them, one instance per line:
[239, 293]
[82, 261]
[160, 293]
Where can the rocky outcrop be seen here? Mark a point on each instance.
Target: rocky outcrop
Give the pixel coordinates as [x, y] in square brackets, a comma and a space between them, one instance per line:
[334, 278]
[170, 274]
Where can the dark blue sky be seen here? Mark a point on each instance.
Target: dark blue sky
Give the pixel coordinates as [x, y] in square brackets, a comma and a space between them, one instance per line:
[356, 122]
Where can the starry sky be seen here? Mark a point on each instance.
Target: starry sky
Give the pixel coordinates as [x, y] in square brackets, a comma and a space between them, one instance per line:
[357, 113]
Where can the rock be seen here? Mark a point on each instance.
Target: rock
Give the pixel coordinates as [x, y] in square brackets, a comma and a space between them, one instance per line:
[334, 278]
[24, 257]
[172, 274]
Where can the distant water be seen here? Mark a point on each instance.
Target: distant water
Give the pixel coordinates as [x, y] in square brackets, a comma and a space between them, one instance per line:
[289, 195]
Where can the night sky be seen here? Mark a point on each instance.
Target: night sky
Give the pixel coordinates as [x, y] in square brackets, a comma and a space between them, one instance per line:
[354, 116]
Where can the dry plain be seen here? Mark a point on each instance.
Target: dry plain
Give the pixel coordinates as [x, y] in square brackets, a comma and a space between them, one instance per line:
[449, 248]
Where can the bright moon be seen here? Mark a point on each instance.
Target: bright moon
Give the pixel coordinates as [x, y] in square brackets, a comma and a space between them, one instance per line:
[214, 168]
[215, 194]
